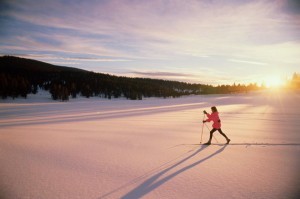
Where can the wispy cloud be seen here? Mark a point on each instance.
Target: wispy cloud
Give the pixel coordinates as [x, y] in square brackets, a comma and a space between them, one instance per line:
[64, 63]
[91, 59]
[178, 25]
[150, 34]
[247, 62]
[162, 74]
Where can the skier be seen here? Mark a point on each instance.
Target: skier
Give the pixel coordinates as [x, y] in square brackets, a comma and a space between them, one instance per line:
[214, 116]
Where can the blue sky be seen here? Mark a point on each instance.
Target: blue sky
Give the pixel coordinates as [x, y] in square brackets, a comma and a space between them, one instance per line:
[212, 42]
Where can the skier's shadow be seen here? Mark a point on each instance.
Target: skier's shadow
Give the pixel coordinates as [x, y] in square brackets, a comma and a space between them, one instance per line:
[152, 183]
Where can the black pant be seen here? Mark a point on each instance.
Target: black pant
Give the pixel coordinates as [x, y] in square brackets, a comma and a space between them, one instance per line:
[220, 131]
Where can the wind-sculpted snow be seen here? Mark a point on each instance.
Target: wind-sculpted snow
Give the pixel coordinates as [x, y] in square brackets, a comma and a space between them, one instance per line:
[95, 148]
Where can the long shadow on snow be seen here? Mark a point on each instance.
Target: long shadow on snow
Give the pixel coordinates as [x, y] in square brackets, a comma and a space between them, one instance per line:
[154, 182]
[101, 116]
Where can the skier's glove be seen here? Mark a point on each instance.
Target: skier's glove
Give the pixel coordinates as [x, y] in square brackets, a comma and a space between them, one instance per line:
[203, 121]
[204, 112]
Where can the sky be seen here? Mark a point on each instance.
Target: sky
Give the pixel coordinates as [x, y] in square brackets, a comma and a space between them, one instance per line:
[209, 41]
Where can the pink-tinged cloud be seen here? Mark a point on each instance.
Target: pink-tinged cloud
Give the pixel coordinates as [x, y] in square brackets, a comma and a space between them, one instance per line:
[162, 74]
[157, 35]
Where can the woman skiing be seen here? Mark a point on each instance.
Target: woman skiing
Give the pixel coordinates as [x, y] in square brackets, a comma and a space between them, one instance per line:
[214, 116]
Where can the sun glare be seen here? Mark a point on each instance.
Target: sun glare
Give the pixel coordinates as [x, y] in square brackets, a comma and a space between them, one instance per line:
[274, 82]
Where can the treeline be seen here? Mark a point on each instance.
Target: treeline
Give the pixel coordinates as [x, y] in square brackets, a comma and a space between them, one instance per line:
[20, 77]
[294, 83]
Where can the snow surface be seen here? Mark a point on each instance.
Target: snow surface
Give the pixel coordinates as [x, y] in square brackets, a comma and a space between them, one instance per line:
[97, 148]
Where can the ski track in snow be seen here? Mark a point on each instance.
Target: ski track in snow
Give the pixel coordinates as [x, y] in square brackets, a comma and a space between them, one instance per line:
[97, 148]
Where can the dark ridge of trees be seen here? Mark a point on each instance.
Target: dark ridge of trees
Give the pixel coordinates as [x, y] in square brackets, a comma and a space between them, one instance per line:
[20, 77]
[295, 81]
[15, 64]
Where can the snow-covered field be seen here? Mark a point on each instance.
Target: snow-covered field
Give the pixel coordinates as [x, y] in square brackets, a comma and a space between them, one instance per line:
[96, 148]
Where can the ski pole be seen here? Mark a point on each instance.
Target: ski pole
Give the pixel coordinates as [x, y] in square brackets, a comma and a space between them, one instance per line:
[213, 135]
[202, 128]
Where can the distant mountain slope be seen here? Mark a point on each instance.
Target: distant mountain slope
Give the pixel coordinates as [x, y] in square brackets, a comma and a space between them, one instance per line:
[20, 76]
[13, 64]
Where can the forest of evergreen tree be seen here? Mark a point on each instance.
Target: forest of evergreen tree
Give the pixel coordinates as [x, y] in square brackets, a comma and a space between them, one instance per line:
[20, 77]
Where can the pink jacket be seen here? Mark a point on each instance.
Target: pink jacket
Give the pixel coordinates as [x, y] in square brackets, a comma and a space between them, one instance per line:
[215, 118]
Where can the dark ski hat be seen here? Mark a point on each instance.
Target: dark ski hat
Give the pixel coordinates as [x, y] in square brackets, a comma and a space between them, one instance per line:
[214, 109]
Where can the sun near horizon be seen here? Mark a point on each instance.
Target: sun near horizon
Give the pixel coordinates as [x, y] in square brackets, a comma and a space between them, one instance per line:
[274, 81]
